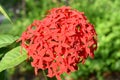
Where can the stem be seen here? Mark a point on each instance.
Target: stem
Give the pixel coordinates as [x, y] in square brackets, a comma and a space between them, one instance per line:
[44, 75]
[24, 7]
[67, 2]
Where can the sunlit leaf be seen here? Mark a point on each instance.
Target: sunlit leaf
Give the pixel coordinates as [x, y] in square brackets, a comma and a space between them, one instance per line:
[12, 58]
[6, 40]
[4, 13]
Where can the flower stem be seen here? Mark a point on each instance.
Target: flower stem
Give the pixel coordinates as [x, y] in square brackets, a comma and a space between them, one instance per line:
[66, 2]
[44, 75]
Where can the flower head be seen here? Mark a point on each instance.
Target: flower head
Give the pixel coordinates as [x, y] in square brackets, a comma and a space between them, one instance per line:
[60, 41]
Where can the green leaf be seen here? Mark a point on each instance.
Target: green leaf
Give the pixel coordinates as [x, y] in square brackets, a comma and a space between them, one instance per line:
[13, 58]
[4, 13]
[6, 40]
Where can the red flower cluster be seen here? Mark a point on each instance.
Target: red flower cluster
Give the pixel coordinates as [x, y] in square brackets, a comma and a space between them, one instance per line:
[60, 41]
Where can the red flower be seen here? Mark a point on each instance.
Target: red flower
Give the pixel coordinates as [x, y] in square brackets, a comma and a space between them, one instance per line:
[60, 41]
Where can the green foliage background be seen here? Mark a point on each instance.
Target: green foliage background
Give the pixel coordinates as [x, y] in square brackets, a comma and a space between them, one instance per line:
[104, 14]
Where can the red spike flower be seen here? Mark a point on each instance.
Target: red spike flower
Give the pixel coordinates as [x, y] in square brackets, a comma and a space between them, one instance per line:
[60, 41]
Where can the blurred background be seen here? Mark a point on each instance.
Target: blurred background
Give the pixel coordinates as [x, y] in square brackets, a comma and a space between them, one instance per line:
[104, 14]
